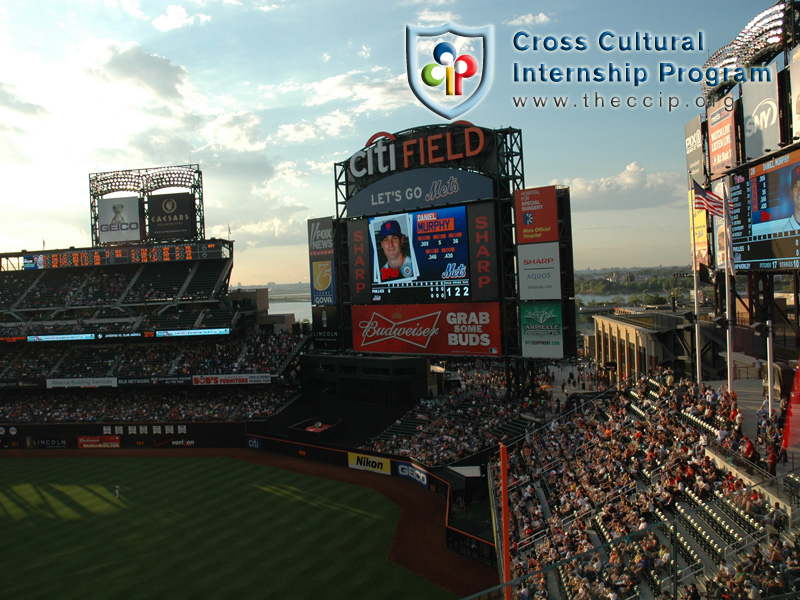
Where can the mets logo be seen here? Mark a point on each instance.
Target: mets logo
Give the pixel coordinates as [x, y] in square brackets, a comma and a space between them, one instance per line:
[441, 83]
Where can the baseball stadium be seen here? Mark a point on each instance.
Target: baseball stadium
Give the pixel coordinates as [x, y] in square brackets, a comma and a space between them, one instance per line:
[434, 430]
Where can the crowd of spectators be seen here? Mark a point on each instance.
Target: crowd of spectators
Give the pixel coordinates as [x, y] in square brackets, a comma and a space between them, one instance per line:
[608, 469]
[195, 357]
[466, 419]
[145, 405]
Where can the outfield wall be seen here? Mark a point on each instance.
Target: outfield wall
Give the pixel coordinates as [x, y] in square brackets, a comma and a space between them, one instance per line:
[122, 435]
[386, 465]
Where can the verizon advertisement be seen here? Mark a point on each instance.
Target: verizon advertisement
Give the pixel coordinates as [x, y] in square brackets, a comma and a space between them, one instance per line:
[539, 271]
[119, 219]
[472, 329]
[536, 215]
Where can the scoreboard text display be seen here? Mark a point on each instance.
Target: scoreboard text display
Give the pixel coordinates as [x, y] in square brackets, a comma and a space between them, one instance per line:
[91, 257]
[765, 215]
[436, 255]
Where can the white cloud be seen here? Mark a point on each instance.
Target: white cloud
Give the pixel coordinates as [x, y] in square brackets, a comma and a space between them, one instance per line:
[176, 17]
[529, 19]
[633, 188]
[323, 167]
[237, 131]
[427, 17]
[269, 7]
[365, 51]
[132, 7]
[288, 173]
[368, 93]
[325, 126]
[325, 57]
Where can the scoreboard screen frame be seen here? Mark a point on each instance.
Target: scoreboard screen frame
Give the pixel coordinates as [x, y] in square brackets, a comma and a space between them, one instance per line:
[122, 255]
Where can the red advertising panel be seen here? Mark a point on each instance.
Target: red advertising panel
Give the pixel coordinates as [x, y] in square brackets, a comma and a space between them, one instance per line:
[98, 441]
[536, 215]
[721, 136]
[483, 253]
[440, 329]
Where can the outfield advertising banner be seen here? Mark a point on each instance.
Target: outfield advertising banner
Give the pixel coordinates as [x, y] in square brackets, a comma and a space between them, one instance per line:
[539, 271]
[542, 329]
[472, 329]
[410, 471]
[365, 462]
[120, 219]
[98, 441]
[171, 217]
[231, 379]
[326, 327]
[81, 382]
[536, 215]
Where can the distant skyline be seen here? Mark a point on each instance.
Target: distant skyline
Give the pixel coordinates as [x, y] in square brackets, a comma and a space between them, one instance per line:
[266, 95]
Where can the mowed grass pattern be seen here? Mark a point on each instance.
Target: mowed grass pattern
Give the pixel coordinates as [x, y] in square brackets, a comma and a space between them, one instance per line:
[193, 528]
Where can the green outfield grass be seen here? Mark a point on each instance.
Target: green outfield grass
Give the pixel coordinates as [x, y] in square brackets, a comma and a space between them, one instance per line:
[193, 528]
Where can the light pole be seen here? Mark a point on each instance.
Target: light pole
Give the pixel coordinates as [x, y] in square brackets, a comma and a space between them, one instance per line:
[760, 329]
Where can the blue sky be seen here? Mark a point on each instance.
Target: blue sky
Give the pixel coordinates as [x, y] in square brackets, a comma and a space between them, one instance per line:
[267, 95]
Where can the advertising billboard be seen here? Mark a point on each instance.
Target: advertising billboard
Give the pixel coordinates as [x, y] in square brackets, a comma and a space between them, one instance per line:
[171, 217]
[436, 255]
[794, 97]
[326, 327]
[440, 329]
[695, 164]
[542, 329]
[539, 271]
[120, 219]
[321, 261]
[721, 137]
[536, 215]
[762, 130]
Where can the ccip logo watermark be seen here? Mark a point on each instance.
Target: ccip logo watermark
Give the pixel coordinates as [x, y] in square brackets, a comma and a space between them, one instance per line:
[441, 83]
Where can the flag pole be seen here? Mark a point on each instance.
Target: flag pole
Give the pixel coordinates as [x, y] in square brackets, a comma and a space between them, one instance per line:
[695, 268]
[729, 274]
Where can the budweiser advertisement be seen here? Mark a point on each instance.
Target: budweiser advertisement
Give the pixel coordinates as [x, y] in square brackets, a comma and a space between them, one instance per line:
[440, 329]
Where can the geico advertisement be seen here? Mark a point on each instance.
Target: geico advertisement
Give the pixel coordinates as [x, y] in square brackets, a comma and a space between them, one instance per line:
[119, 219]
[412, 472]
[463, 329]
[364, 462]
[539, 272]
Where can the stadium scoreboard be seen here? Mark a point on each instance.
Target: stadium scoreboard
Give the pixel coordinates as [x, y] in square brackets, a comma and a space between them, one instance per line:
[98, 257]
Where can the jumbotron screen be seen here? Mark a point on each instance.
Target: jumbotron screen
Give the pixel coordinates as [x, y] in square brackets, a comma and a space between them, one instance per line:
[765, 215]
[429, 256]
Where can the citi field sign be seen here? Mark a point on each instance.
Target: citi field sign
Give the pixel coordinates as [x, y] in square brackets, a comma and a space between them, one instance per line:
[457, 145]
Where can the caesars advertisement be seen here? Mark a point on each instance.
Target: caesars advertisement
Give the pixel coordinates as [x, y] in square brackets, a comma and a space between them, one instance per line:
[171, 217]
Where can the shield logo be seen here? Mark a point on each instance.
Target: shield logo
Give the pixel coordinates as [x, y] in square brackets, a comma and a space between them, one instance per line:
[445, 74]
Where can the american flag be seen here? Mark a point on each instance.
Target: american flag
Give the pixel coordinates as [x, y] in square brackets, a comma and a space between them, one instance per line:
[708, 200]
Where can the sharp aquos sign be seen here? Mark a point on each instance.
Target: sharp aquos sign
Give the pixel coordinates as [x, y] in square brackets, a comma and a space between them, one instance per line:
[442, 329]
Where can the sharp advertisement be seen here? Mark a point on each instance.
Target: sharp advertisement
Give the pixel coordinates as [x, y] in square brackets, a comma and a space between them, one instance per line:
[437, 329]
[539, 271]
[171, 217]
[120, 219]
